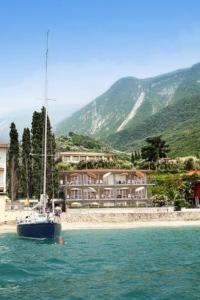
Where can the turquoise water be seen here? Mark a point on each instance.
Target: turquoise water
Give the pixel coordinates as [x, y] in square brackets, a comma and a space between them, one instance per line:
[153, 263]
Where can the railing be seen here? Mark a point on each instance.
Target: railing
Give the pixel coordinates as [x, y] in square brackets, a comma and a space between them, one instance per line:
[107, 199]
[100, 183]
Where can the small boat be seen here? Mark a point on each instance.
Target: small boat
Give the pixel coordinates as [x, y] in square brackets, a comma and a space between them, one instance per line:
[41, 224]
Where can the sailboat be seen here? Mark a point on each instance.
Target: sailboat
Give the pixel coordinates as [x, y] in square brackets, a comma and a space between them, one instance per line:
[41, 224]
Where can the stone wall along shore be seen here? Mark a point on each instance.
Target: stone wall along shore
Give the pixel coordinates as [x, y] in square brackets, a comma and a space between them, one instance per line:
[131, 217]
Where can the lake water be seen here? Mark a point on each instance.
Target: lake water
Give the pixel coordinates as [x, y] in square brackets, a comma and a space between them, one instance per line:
[152, 263]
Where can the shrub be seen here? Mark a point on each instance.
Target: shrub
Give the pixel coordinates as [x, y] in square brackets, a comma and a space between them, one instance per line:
[189, 164]
[180, 203]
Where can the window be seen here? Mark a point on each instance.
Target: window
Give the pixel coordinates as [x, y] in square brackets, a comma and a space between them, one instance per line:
[76, 159]
[66, 158]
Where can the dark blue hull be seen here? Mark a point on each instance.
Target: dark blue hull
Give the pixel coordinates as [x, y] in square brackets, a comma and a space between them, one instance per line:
[39, 230]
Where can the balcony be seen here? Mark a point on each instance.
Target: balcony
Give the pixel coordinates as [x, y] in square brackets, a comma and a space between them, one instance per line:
[106, 183]
[132, 198]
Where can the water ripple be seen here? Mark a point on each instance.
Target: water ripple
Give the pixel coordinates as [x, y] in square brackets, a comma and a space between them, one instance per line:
[153, 263]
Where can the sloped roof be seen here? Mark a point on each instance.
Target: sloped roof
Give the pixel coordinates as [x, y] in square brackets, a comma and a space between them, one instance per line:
[4, 146]
[137, 172]
[193, 172]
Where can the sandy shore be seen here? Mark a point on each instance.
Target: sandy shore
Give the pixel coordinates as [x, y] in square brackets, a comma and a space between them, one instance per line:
[79, 226]
[84, 225]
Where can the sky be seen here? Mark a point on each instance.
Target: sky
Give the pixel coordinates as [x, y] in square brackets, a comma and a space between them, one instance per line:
[92, 44]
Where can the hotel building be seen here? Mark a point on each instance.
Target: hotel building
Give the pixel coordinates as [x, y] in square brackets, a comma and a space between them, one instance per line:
[105, 187]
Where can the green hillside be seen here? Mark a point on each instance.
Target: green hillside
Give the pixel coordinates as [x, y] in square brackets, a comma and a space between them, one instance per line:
[179, 124]
[78, 142]
[104, 114]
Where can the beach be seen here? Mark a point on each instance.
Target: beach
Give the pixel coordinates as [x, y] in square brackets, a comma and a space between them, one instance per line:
[128, 225]
[11, 228]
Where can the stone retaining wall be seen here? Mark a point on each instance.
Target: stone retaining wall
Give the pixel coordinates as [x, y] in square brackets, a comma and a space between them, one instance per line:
[9, 217]
[131, 217]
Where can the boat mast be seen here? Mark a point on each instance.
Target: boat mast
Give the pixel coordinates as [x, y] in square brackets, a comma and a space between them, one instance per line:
[45, 125]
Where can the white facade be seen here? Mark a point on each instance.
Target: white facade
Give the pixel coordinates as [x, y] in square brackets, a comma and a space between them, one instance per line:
[117, 186]
[76, 157]
[3, 151]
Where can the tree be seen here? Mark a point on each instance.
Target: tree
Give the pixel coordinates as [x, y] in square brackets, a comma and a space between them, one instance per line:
[132, 158]
[26, 164]
[37, 140]
[189, 164]
[136, 155]
[13, 163]
[52, 170]
[156, 149]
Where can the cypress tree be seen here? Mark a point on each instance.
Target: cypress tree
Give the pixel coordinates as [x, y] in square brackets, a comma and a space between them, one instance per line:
[52, 171]
[26, 164]
[36, 142]
[132, 158]
[13, 163]
[38, 123]
[136, 155]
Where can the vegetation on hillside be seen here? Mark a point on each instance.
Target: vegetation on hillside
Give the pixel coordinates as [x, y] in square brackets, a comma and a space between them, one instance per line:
[178, 123]
[78, 142]
[99, 164]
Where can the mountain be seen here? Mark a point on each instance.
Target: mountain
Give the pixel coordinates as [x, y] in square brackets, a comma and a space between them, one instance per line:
[133, 109]
[179, 123]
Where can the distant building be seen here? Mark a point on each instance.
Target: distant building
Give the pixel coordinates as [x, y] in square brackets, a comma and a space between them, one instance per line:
[76, 157]
[3, 151]
[195, 191]
[105, 187]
